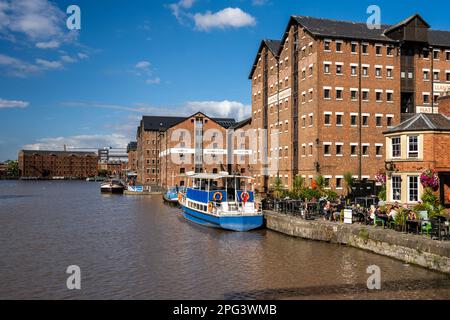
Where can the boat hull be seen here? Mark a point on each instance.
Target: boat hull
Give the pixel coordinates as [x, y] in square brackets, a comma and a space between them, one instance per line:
[232, 223]
[170, 200]
[112, 190]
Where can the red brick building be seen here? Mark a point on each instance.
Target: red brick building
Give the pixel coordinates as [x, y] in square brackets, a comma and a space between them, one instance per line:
[50, 164]
[132, 157]
[419, 143]
[325, 93]
[157, 136]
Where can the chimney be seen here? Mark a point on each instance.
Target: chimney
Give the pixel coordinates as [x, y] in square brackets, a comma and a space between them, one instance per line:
[65, 148]
[444, 105]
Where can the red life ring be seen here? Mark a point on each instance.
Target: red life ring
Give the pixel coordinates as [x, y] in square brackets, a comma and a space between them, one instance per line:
[218, 196]
[245, 197]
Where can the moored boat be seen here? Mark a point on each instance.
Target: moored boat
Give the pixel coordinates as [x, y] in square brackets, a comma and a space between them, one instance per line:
[222, 201]
[112, 186]
[171, 195]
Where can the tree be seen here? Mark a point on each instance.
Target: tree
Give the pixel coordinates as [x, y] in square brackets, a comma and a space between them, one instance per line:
[102, 173]
[278, 189]
[320, 182]
[297, 187]
[13, 168]
[348, 179]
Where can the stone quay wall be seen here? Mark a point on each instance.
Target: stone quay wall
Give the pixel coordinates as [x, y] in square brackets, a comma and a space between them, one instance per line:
[412, 249]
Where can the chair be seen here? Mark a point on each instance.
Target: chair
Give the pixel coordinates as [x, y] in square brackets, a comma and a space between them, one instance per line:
[376, 221]
[426, 227]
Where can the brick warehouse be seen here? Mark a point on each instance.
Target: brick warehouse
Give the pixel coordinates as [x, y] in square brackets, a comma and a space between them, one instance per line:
[202, 144]
[49, 164]
[329, 89]
[153, 136]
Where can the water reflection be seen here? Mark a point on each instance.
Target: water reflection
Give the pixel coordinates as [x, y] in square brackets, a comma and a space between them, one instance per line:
[138, 248]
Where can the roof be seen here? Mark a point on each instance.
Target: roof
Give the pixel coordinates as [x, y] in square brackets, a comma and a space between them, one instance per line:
[320, 27]
[439, 38]
[242, 123]
[132, 146]
[423, 122]
[405, 22]
[161, 123]
[273, 45]
[225, 122]
[58, 153]
[342, 29]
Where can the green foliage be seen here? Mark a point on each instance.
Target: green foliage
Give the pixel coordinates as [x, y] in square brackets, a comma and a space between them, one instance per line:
[348, 179]
[320, 180]
[13, 168]
[297, 187]
[401, 217]
[364, 234]
[331, 195]
[431, 204]
[102, 173]
[309, 194]
[278, 188]
[429, 197]
[382, 194]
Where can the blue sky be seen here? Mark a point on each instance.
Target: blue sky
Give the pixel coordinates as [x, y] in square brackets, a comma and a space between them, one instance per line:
[88, 88]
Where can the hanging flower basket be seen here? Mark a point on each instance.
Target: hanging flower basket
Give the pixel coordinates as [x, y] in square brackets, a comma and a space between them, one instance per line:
[429, 179]
[380, 177]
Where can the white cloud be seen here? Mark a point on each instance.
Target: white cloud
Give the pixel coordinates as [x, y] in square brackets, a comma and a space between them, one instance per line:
[142, 65]
[17, 67]
[178, 9]
[143, 69]
[221, 109]
[49, 64]
[38, 20]
[226, 18]
[82, 55]
[5, 104]
[68, 59]
[79, 141]
[259, 2]
[48, 45]
[153, 81]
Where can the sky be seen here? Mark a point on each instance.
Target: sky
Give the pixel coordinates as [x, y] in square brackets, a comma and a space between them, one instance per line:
[88, 88]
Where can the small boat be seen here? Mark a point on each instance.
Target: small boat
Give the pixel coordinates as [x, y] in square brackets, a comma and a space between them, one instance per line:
[112, 186]
[221, 201]
[95, 179]
[171, 196]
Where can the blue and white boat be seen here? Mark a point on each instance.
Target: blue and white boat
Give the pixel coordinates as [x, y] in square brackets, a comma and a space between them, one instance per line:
[171, 195]
[222, 201]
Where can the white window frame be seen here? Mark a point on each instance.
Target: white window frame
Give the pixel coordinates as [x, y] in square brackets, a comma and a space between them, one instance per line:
[409, 146]
[409, 189]
[392, 188]
[400, 147]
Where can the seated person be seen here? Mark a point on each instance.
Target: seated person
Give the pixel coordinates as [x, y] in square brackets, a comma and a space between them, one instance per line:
[338, 209]
[392, 213]
[327, 210]
[412, 215]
